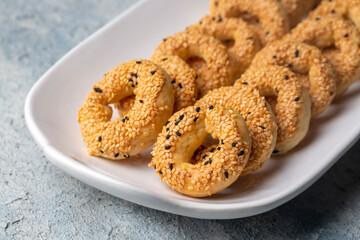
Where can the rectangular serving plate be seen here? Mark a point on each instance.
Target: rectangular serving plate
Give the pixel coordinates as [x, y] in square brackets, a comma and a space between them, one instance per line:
[51, 116]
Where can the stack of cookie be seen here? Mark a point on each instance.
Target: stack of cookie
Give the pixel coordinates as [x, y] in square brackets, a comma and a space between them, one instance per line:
[241, 85]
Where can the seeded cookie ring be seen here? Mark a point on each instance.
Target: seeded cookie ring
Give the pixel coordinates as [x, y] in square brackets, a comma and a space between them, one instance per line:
[266, 17]
[309, 65]
[346, 9]
[292, 105]
[123, 137]
[187, 129]
[236, 35]
[339, 41]
[189, 44]
[258, 116]
[182, 78]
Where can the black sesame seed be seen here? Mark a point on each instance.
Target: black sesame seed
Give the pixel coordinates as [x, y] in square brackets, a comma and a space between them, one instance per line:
[195, 119]
[126, 117]
[141, 101]
[167, 147]
[212, 150]
[234, 144]
[346, 35]
[181, 117]
[171, 166]
[333, 11]
[123, 120]
[317, 19]
[244, 83]
[97, 90]
[211, 107]
[101, 151]
[153, 72]
[138, 62]
[164, 39]
[99, 138]
[126, 156]
[257, 20]
[267, 33]
[297, 99]
[179, 134]
[197, 109]
[241, 153]
[164, 59]
[177, 122]
[204, 156]
[262, 127]
[167, 123]
[275, 151]
[132, 85]
[117, 154]
[134, 75]
[154, 167]
[218, 148]
[168, 136]
[173, 81]
[297, 53]
[213, 18]
[274, 56]
[222, 141]
[167, 129]
[202, 147]
[160, 172]
[249, 38]
[210, 160]
[136, 83]
[286, 77]
[220, 19]
[249, 113]
[226, 174]
[180, 85]
[290, 65]
[130, 80]
[206, 163]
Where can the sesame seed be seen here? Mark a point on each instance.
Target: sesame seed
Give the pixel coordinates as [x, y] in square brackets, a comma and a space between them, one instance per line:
[211, 107]
[130, 80]
[317, 19]
[220, 18]
[154, 167]
[216, 3]
[123, 120]
[249, 113]
[173, 81]
[249, 38]
[275, 151]
[204, 156]
[99, 138]
[274, 56]
[218, 148]
[164, 59]
[244, 83]
[167, 123]
[134, 75]
[286, 77]
[138, 62]
[97, 90]
[226, 174]
[195, 119]
[212, 150]
[153, 72]
[177, 122]
[141, 101]
[267, 33]
[297, 99]
[241, 153]
[234, 144]
[346, 35]
[222, 141]
[180, 85]
[168, 136]
[167, 129]
[213, 18]
[117, 154]
[126, 156]
[136, 83]
[101, 151]
[171, 166]
[164, 39]
[262, 127]
[179, 134]
[160, 172]
[333, 11]
[206, 163]
[210, 160]
[181, 117]
[290, 65]
[297, 53]
[167, 147]
[197, 109]
[132, 85]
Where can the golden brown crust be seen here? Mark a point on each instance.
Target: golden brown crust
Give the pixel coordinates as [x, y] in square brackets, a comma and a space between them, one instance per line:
[266, 17]
[339, 41]
[258, 116]
[189, 44]
[239, 39]
[346, 9]
[307, 62]
[292, 105]
[219, 165]
[121, 138]
[297, 9]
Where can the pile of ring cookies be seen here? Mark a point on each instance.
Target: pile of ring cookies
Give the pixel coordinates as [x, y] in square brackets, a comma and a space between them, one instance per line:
[221, 97]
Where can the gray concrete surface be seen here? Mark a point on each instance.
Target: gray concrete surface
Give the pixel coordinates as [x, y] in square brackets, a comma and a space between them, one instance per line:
[38, 201]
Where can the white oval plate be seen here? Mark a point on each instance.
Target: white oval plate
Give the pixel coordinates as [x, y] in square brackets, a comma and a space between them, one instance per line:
[51, 115]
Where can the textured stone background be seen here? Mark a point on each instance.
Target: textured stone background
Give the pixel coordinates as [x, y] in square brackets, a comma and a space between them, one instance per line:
[38, 201]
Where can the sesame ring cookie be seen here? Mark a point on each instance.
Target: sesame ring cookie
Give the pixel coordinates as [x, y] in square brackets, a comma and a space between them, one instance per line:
[339, 41]
[173, 155]
[189, 44]
[267, 17]
[259, 119]
[346, 9]
[182, 78]
[236, 35]
[292, 107]
[123, 137]
[309, 65]
[297, 9]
